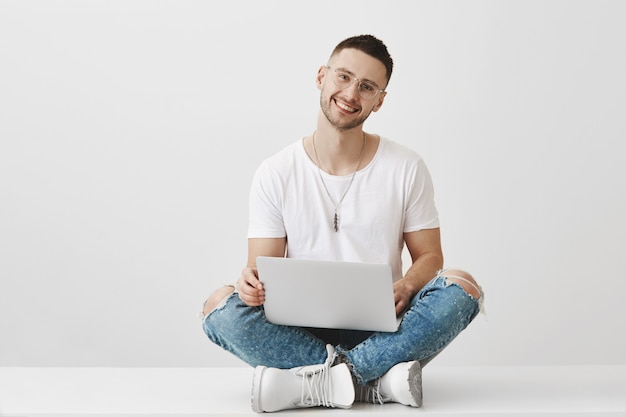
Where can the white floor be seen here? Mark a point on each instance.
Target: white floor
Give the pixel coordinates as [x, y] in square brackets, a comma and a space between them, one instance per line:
[478, 391]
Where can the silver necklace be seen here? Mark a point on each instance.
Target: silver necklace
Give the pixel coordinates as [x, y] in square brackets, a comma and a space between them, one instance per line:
[319, 171]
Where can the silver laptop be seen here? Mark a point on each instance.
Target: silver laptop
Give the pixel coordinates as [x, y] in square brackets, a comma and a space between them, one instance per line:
[328, 294]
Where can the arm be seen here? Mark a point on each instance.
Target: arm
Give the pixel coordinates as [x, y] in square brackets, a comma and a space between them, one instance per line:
[426, 254]
[251, 290]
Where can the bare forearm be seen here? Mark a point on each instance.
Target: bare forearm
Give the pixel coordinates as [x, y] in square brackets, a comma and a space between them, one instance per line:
[425, 249]
[423, 270]
[251, 290]
[265, 247]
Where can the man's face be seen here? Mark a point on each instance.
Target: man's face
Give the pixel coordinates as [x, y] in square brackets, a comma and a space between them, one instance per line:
[344, 107]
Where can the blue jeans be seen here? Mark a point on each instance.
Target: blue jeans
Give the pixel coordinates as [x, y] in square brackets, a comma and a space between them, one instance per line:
[438, 313]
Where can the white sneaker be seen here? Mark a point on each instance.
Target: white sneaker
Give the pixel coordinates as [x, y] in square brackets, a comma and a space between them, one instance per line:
[305, 386]
[401, 384]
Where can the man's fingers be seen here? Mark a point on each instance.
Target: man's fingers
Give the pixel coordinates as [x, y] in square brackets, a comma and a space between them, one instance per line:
[251, 290]
[249, 275]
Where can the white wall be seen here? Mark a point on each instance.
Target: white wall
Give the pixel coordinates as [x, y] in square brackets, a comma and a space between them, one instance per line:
[129, 131]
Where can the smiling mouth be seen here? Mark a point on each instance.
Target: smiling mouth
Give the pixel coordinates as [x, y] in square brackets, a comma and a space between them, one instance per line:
[345, 107]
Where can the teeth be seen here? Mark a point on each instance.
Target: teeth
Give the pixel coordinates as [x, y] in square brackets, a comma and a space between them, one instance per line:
[346, 108]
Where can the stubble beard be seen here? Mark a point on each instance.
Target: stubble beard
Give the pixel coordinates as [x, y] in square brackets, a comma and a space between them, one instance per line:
[325, 105]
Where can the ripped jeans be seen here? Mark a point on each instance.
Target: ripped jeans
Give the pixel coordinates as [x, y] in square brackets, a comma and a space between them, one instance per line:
[437, 314]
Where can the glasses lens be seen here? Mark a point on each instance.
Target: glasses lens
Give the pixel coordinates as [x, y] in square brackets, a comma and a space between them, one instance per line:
[344, 80]
[367, 90]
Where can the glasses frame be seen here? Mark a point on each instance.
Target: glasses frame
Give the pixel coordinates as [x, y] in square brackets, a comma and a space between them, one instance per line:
[359, 83]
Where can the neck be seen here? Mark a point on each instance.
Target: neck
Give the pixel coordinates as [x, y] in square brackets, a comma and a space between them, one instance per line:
[341, 140]
[339, 153]
[338, 149]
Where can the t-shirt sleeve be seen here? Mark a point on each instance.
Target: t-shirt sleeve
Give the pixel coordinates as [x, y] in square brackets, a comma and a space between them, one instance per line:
[265, 218]
[421, 211]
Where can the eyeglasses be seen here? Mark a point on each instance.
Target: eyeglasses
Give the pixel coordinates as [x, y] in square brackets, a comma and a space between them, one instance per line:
[367, 89]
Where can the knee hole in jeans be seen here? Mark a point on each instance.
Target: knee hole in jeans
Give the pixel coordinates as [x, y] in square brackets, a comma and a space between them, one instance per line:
[464, 280]
[216, 299]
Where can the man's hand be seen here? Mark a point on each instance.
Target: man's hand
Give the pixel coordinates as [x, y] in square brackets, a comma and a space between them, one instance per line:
[402, 293]
[251, 290]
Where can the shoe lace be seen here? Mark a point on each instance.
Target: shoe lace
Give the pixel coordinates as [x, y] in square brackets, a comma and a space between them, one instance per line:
[372, 393]
[317, 385]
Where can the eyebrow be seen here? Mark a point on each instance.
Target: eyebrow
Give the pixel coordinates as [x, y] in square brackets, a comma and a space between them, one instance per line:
[347, 71]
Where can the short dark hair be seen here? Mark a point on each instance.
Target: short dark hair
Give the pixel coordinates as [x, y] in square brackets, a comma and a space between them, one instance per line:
[370, 45]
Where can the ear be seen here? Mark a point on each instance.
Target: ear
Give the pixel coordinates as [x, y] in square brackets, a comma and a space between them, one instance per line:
[380, 102]
[319, 80]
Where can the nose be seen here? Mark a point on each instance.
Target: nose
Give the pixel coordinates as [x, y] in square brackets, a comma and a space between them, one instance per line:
[353, 89]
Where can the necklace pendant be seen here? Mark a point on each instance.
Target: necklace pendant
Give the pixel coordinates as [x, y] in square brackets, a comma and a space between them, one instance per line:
[319, 172]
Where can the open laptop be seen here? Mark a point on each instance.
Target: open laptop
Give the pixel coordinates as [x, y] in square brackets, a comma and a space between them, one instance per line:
[328, 294]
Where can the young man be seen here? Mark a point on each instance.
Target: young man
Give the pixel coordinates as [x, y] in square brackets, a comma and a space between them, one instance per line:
[344, 194]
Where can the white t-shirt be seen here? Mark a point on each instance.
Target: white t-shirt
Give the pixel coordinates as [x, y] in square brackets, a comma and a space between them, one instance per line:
[392, 195]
